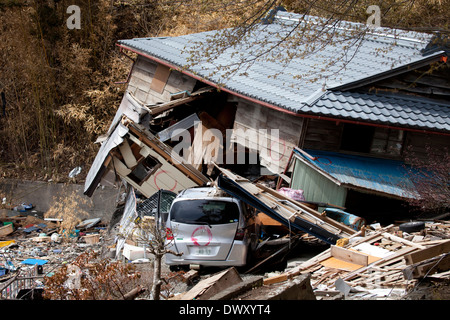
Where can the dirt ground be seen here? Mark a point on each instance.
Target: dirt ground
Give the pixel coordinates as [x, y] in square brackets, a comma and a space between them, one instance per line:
[430, 290]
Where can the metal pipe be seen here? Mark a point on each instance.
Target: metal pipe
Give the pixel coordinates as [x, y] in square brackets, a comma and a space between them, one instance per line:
[131, 69]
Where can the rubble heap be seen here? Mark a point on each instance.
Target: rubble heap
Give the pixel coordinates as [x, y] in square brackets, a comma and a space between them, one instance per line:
[31, 248]
[384, 262]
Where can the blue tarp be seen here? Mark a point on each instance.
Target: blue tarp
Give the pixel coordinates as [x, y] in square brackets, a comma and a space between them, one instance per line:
[34, 262]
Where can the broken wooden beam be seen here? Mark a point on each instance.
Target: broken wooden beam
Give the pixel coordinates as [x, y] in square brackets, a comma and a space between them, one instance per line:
[428, 267]
[156, 110]
[134, 293]
[276, 279]
[427, 253]
[190, 275]
[211, 286]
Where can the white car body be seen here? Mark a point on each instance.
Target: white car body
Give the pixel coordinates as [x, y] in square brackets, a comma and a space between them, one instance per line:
[208, 230]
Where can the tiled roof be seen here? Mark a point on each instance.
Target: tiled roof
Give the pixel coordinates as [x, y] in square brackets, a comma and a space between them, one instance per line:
[393, 109]
[290, 86]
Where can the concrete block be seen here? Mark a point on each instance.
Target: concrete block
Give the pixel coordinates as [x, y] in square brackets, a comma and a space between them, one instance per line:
[296, 289]
[133, 253]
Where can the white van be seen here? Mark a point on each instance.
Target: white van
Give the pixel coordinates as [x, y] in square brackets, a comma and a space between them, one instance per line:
[210, 228]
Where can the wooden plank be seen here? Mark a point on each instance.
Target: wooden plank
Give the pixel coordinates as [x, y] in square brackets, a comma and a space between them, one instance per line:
[276, 279]
[401, 240]
[213, 285]
[335, 263]
[349, 256]
[6, 230]
[425, 268]
[160, 78]
[427, 253]
[170, 105]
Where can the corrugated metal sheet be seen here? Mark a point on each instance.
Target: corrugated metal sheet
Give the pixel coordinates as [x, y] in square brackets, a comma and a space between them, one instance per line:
[316, 187]
[301, 80]
[383, 176]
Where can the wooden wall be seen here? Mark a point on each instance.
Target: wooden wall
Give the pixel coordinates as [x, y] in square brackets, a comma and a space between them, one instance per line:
[322, 135]
[152, 83]
[386, 142]
[419, 144]
[283, 131]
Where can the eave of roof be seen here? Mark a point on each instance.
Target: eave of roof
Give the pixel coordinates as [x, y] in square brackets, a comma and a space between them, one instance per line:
[399, 110]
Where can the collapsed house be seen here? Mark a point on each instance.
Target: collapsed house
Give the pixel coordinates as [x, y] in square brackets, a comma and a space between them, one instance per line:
[340, 139]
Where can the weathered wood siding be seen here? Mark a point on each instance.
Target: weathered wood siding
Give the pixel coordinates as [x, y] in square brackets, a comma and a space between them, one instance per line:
[150, 90]
[386, 142]
[322, 135]
[251, 123]
[423, 146]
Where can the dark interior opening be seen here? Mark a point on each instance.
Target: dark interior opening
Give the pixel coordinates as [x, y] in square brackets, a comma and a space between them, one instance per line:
[357, 138]
[374, 208]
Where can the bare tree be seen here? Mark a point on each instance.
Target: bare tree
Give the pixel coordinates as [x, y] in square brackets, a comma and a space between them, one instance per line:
[153, 236]
[431, 179]
[318, 23]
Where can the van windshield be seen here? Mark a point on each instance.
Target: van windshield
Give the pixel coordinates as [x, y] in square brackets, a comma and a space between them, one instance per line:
[204, 212]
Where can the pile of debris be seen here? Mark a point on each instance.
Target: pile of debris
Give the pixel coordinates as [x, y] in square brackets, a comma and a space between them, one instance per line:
[378, 263]
[374, 263]
[31, 248]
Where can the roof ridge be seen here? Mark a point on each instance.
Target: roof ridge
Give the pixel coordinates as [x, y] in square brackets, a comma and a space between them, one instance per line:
[411, 36]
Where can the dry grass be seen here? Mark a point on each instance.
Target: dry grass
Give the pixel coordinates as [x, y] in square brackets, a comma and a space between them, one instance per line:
[70, 209]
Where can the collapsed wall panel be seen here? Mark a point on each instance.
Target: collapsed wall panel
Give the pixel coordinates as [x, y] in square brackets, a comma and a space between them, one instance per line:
[290, 213]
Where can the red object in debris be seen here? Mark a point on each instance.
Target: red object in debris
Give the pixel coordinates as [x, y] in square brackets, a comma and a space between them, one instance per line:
[240, 233]
[29, 225]
[169, 234]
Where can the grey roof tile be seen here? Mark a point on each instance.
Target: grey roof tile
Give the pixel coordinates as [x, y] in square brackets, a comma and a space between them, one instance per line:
[402, 110]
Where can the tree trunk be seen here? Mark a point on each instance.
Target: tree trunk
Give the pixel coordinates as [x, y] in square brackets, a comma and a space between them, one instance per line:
[134, 293]
[156, 286]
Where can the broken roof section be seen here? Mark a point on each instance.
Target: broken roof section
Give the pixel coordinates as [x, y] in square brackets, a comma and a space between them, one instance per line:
[292, 214]
[388, 177]
[138, 156]
[300, 85]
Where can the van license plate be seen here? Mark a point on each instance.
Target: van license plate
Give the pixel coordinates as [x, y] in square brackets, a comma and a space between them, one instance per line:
[203, 251]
